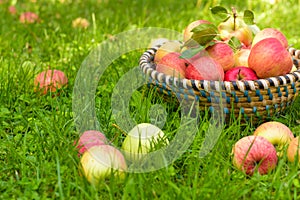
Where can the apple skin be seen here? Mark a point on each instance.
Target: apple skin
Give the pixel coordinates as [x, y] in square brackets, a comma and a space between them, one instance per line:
[251, 150]
[293, 150]
[187, 34]
[89, 139]
[141, 139]
[223, 54]
[99, 162]
[50, 80]
[241, 57]
[270, 33]
[241, 31]
[204, 67]
[171, 64]
[157, 41]
[269, 58]
[240, 73]
[29, 18]
[166, 48]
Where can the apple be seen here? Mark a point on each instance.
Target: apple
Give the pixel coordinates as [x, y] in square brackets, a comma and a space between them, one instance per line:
[171, 64]
[203, 67]
[294, 68]
[157, 41]
[235, 27]
[29, 18]
[187, 34]
[101, 162]
[241, 57]
[80, 23]
[89, 139]
[240, 73]
[269, 58]
[270, 33]
[254, 153]
[166, 48]
[141, 140]
[50, 80]
[223, 54]
[293, 150]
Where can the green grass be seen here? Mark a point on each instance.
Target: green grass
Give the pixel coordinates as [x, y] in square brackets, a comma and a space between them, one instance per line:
[37, 156]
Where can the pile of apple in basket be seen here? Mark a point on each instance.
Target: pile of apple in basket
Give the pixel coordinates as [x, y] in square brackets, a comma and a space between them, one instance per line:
[235, 49]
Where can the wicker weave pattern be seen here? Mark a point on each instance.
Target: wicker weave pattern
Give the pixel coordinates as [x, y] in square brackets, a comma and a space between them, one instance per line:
[253, 99]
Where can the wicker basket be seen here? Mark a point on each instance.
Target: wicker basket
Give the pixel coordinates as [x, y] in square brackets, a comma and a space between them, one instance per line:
[257, 100]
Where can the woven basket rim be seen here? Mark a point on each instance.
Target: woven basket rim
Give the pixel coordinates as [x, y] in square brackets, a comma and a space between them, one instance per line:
[146, 64]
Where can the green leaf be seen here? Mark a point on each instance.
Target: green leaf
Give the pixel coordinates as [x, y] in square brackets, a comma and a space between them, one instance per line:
[220, 12]
[249, 17]
[204, 33]
[234, 43]
[189, 53]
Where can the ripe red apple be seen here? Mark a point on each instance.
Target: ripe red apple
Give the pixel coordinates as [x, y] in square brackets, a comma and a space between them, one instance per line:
[235, 28]
[223, 54]
[240, 73]
[29, 18]
[50, 80]
[167, 47]
[270, 33]
[187, 34]
[204, 67]
[89, 139]
[269, 58]
[293, 150]
[254, 153]
[171, 64]
[241, 57]
[100, 162]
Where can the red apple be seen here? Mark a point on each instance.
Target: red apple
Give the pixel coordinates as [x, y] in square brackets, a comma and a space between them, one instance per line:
[203, 67]
[89, 139]
[241, 57]
[187, 34]
[293, 150]
[269, 58]
[50, 80]
[223, 54]
[171, 64]
[167, 47]
[254, 153]
[29, 18]
[101, 162]
[240, 73]
[270, 33]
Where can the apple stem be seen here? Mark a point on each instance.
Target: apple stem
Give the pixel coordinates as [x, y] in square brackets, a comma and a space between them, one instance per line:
[234, 16]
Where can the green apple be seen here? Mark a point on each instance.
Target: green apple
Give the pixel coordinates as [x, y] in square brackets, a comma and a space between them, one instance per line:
[142, 139]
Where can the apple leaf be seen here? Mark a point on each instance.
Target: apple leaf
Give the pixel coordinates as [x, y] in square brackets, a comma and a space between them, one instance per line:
[234, 43]
[220, 12]
[189, 53]
[204, 33]
[249, 17]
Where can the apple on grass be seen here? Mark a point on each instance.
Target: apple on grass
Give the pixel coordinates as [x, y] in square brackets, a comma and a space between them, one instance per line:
[293, 150]
[270, 58]
[270, 33]
[141, 140]
[171, 64]
[102, 162]
[240, 73]
[254, 153]
[203, 67]
[89, 139]
[50, 80]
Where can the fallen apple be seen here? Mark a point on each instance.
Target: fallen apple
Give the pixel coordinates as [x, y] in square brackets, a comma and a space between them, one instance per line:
[275, 132]
[171, 64]
[101, 162]
[50, 80]
[203, 67]
[240, 73]
[293, 150]
[89, 139]
[166, 48]
[270, 33]
[270, 58]
[254, 153]
[241, 57]
[142, 139]
[29, 18]
[223, 54]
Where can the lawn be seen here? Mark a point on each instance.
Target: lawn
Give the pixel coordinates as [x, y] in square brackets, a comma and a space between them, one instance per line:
[37, 157]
